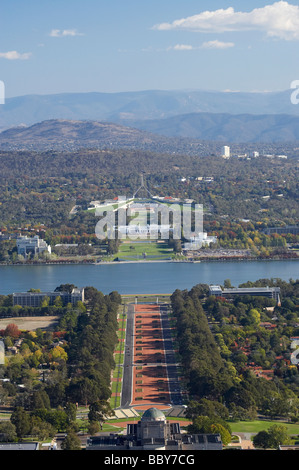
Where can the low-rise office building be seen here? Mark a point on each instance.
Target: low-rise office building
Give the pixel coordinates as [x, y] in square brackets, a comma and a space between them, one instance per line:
[270, 292]
[35, 299]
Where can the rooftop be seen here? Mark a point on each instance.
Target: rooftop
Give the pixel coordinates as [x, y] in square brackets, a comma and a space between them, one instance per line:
[153, 414]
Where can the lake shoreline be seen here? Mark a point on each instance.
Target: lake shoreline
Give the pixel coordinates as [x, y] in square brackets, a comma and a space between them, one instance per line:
[115, 262]
[142, 277]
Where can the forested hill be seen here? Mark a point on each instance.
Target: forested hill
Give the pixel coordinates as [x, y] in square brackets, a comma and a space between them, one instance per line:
[103, 119]
[69, 135]
[61, 134]
[226, 127]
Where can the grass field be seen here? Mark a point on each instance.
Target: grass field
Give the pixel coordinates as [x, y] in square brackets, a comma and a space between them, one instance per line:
[135, 250]
[30, 323]
[261, 425]
[118, 358]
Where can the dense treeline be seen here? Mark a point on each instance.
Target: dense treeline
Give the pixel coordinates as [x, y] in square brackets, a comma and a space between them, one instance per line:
[225, 346]
[41, 188]
[49, 193]
[204, 368]
[61, 369]
[90, 348]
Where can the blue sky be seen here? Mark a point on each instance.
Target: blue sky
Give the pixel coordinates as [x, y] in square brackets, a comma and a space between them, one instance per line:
[56, 46]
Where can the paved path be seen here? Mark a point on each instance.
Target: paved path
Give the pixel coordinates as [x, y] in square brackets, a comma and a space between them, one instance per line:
[244, 441]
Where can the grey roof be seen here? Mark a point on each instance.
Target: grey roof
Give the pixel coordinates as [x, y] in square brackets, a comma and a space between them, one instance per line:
[153, 414]
[19, 446]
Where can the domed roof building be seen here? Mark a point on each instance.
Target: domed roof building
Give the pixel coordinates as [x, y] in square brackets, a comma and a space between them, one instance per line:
[153, 414]
[154, 432]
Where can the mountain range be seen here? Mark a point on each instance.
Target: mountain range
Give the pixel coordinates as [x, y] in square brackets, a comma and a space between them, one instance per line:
[140, 105]
[69, 135]
[230, 117]
[223, 127]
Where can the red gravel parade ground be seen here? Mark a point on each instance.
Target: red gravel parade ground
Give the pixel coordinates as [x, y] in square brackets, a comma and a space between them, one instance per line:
[150, 382]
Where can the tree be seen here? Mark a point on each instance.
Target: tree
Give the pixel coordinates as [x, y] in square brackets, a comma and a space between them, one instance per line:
[39, 400]
[3, 395]
[45, 302]
[112, 247]
[239, 396]
[7, 432]
[227, 284]
[275, 405]
[59, 419]
[65, 288]
[71, 412]
[206, 425]
[80, 307]
[275, 436]
[12, 330]
[254, 317]
[42, 429]
[206, 408]
[58, 353]
[99, 411]
[71, 442]
[21, 419]
[56, 389]
[278, 435]
[224, 433]
[58, 302]
[261, 440]
[93, 427]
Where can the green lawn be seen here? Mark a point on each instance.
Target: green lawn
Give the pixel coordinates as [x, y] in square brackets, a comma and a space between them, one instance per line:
[115, 402]
[118, 358]
[260, 425]
[118, 372]
[121, 334]
[115, 387]
[135, 251]
[110, 428]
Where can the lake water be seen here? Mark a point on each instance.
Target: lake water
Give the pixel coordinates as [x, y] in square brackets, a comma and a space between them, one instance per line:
[142, 278]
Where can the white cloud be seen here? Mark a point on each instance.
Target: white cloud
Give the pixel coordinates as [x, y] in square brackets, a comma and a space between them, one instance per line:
[14, 55]
[182, 47]
[217, 45]
[205, 45]
[60, 33]
[280, 20]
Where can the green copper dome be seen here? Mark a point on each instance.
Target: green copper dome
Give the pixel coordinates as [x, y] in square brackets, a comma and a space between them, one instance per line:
[153, 414]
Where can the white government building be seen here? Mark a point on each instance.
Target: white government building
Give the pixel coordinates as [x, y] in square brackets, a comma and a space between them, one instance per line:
[31, 245]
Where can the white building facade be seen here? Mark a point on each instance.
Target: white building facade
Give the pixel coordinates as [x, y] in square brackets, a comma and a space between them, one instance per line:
[35, 245]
